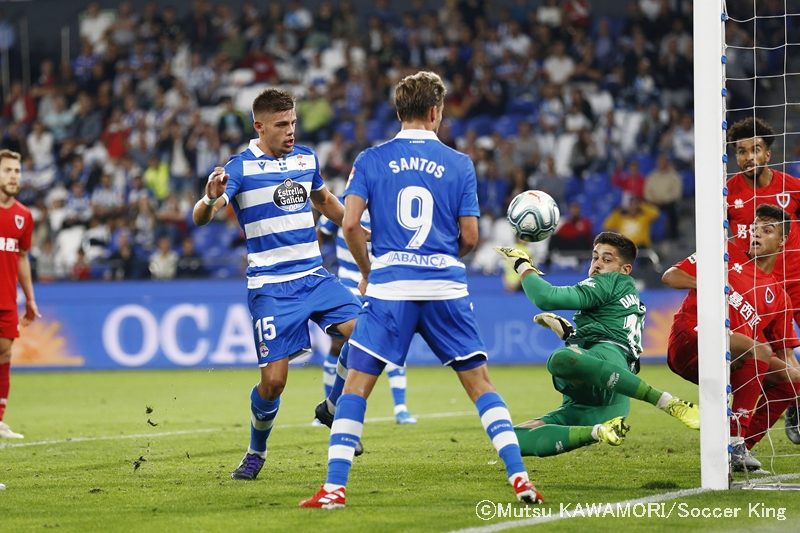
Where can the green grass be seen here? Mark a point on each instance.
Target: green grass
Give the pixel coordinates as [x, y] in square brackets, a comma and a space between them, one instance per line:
[427, 477]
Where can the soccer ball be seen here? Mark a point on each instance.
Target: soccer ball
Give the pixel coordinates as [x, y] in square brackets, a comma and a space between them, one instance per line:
[533, 215]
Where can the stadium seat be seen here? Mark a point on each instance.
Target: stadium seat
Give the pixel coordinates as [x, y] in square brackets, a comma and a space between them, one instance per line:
[458, 127]
[347, 129]
[522, 105]
[687, 177]
[392, 127]
[481, 124]
[507, 125]
[573, 188]
[658, 231]
[646, 163]
[596, 185]
[376, 130]
[385, 111]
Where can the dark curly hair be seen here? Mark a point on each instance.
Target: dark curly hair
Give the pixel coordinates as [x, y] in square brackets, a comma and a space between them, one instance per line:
[750, 127]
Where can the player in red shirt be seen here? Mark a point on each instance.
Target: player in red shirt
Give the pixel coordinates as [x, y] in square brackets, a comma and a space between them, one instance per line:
[759, 325]
[757, 183]
[16, 229]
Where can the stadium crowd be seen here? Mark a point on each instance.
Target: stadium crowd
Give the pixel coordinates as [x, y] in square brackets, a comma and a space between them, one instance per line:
[117, 142]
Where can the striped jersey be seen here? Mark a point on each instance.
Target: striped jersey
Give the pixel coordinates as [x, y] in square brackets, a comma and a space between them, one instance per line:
[348, 273]
[270, 197]
[416, 188]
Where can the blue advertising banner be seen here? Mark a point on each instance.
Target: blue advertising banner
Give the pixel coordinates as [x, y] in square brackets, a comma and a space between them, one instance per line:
[180, 324]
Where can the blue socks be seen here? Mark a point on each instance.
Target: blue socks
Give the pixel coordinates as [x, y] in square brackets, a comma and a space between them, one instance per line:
[262, 416]
[341, 375]
[397, 383]
[345, 433]
[328, 373]
[496, 421]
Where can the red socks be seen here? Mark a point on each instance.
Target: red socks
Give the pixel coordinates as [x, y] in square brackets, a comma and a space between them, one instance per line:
[770, 407]
[746, 384]
[5, 384]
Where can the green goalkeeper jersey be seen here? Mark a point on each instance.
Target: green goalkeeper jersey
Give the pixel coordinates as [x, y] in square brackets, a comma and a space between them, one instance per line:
[607, 308]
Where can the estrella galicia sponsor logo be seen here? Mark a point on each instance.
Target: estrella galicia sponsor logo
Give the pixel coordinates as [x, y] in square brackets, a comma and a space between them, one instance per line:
[290, 196]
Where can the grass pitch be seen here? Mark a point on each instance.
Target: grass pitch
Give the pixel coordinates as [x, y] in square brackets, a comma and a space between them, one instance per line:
[95, 459]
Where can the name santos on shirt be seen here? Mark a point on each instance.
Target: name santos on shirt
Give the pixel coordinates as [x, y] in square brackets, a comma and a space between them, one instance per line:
[417, 163]
[7, 244]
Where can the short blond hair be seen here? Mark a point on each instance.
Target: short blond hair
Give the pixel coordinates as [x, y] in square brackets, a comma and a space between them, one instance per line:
[417, 93]
[5, 153]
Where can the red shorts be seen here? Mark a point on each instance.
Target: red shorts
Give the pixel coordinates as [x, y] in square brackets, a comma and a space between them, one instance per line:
[9, 324]
[682, 351]
[793, 291]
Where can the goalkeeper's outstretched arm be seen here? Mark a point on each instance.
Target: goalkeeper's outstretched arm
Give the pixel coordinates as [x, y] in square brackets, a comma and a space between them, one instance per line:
[546, 296]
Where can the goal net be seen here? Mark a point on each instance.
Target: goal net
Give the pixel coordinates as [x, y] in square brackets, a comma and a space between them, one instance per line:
[747, 131]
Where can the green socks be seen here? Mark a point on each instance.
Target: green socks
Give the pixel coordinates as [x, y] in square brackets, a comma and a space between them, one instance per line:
[547, 440]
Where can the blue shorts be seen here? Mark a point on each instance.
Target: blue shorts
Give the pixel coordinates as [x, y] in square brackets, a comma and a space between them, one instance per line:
[281, 311]
[385, 328]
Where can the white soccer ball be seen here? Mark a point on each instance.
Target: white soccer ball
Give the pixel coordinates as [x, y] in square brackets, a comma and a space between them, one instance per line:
[533, 215]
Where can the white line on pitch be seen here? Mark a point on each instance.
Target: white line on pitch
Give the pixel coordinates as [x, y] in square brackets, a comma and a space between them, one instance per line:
[558, 516]
[70, 440]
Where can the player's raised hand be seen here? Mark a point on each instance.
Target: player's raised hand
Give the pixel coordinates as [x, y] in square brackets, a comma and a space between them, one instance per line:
[522, 261]
[217, 181]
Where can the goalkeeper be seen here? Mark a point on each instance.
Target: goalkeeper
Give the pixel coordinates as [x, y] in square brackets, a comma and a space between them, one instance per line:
[596, 370]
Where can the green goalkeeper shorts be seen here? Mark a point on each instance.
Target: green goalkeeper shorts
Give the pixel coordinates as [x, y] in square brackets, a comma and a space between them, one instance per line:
[586, 405]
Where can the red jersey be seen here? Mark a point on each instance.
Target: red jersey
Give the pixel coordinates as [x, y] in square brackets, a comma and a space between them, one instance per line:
[783, 191]
[16, 229]
[757, 302]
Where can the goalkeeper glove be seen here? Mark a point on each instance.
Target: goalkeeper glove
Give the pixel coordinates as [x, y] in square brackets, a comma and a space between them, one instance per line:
[559, 325]
[522, 261]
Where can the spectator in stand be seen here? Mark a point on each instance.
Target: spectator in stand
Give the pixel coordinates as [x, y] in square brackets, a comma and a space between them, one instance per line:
[59, 119]
[633, 219]
[81, 270]
[115, 135]
[106, 201]
[45, 264]
[231, 125]
[493, 191]
[547, 179]
[123, 263]
[314, 114]
[558, 66]
[156, 177]
[683, 143]
[190, 264]
[630, 181]
[574, 233]
[164, 261]
[585, 157]
[40, 144]
[94, 23]
[664, 188]
[19, 107]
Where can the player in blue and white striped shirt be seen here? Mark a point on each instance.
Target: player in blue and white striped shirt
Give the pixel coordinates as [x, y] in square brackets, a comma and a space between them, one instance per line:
[269, 186]
[333, 366]
[422, 201]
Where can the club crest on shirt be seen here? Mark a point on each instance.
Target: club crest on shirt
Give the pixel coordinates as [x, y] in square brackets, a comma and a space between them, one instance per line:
[263, 351]
[769, 296]
[19, 221]
[290, 196]
[782, 199]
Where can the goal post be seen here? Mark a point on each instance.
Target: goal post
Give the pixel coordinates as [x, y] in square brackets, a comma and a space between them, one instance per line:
[710, 214]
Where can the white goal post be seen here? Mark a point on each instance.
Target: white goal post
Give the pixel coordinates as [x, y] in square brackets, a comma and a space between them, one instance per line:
[710, 212]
